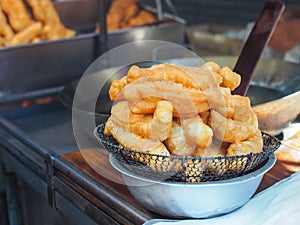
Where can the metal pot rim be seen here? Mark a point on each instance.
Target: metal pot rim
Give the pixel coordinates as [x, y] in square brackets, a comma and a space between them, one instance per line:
[253, 175]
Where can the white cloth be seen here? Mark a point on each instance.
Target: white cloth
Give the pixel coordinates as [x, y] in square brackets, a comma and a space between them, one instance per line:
[277, 205]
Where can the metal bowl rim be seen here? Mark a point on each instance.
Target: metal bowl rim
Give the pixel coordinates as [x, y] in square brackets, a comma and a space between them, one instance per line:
[245, 178]
[98, 134]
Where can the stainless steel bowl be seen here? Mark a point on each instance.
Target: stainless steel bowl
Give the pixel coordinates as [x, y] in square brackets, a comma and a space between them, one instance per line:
[185, 200]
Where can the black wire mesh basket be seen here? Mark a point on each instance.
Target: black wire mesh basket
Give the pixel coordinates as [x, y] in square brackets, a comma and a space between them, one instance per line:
[187, 168]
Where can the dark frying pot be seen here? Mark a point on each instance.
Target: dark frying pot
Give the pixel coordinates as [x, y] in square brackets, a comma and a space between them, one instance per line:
[273, 79]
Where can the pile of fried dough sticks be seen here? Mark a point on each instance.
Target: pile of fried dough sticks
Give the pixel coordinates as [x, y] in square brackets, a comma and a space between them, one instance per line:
[27, 21]
[187, 111]
[128, 13]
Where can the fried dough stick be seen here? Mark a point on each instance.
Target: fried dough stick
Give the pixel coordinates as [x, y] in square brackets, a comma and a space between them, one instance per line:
[163, 72]
[5, 30]
[230, 79]
[132, 141]
[39, 12]
[197, 132]
[2, 42]
[27, 34]
[205, 76]
[177, 142]
[114, 15]
[253, 144]
[185, 101]
[18, 15]
[143, 17]
[157, 126]
[118, 126]
[130, 11]
[192, 135]
[221, 100]
[240, 127]
[120, 12]
[201, 78]
[45, 12]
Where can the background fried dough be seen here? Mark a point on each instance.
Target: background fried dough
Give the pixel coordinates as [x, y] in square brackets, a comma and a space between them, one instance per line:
[5, 30]
[127, 13]
[45, 12]
[143, 17]
[17, 13]
[29, 23]
[27, 34]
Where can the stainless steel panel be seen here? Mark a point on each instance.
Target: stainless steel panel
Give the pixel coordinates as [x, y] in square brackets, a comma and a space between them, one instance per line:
[46, 64]
[35, 66]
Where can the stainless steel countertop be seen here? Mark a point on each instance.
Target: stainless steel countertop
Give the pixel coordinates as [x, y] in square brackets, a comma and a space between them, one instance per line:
[48, 124]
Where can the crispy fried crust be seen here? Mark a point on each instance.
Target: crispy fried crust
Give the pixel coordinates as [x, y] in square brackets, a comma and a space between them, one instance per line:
[253, 144]
[189, 110]
[5, 30]
[186, 101]
[197, 132]
[241, 126]
[27, 34]
[177, 142]
[132, 141]
[17, 13]
[230, 79]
